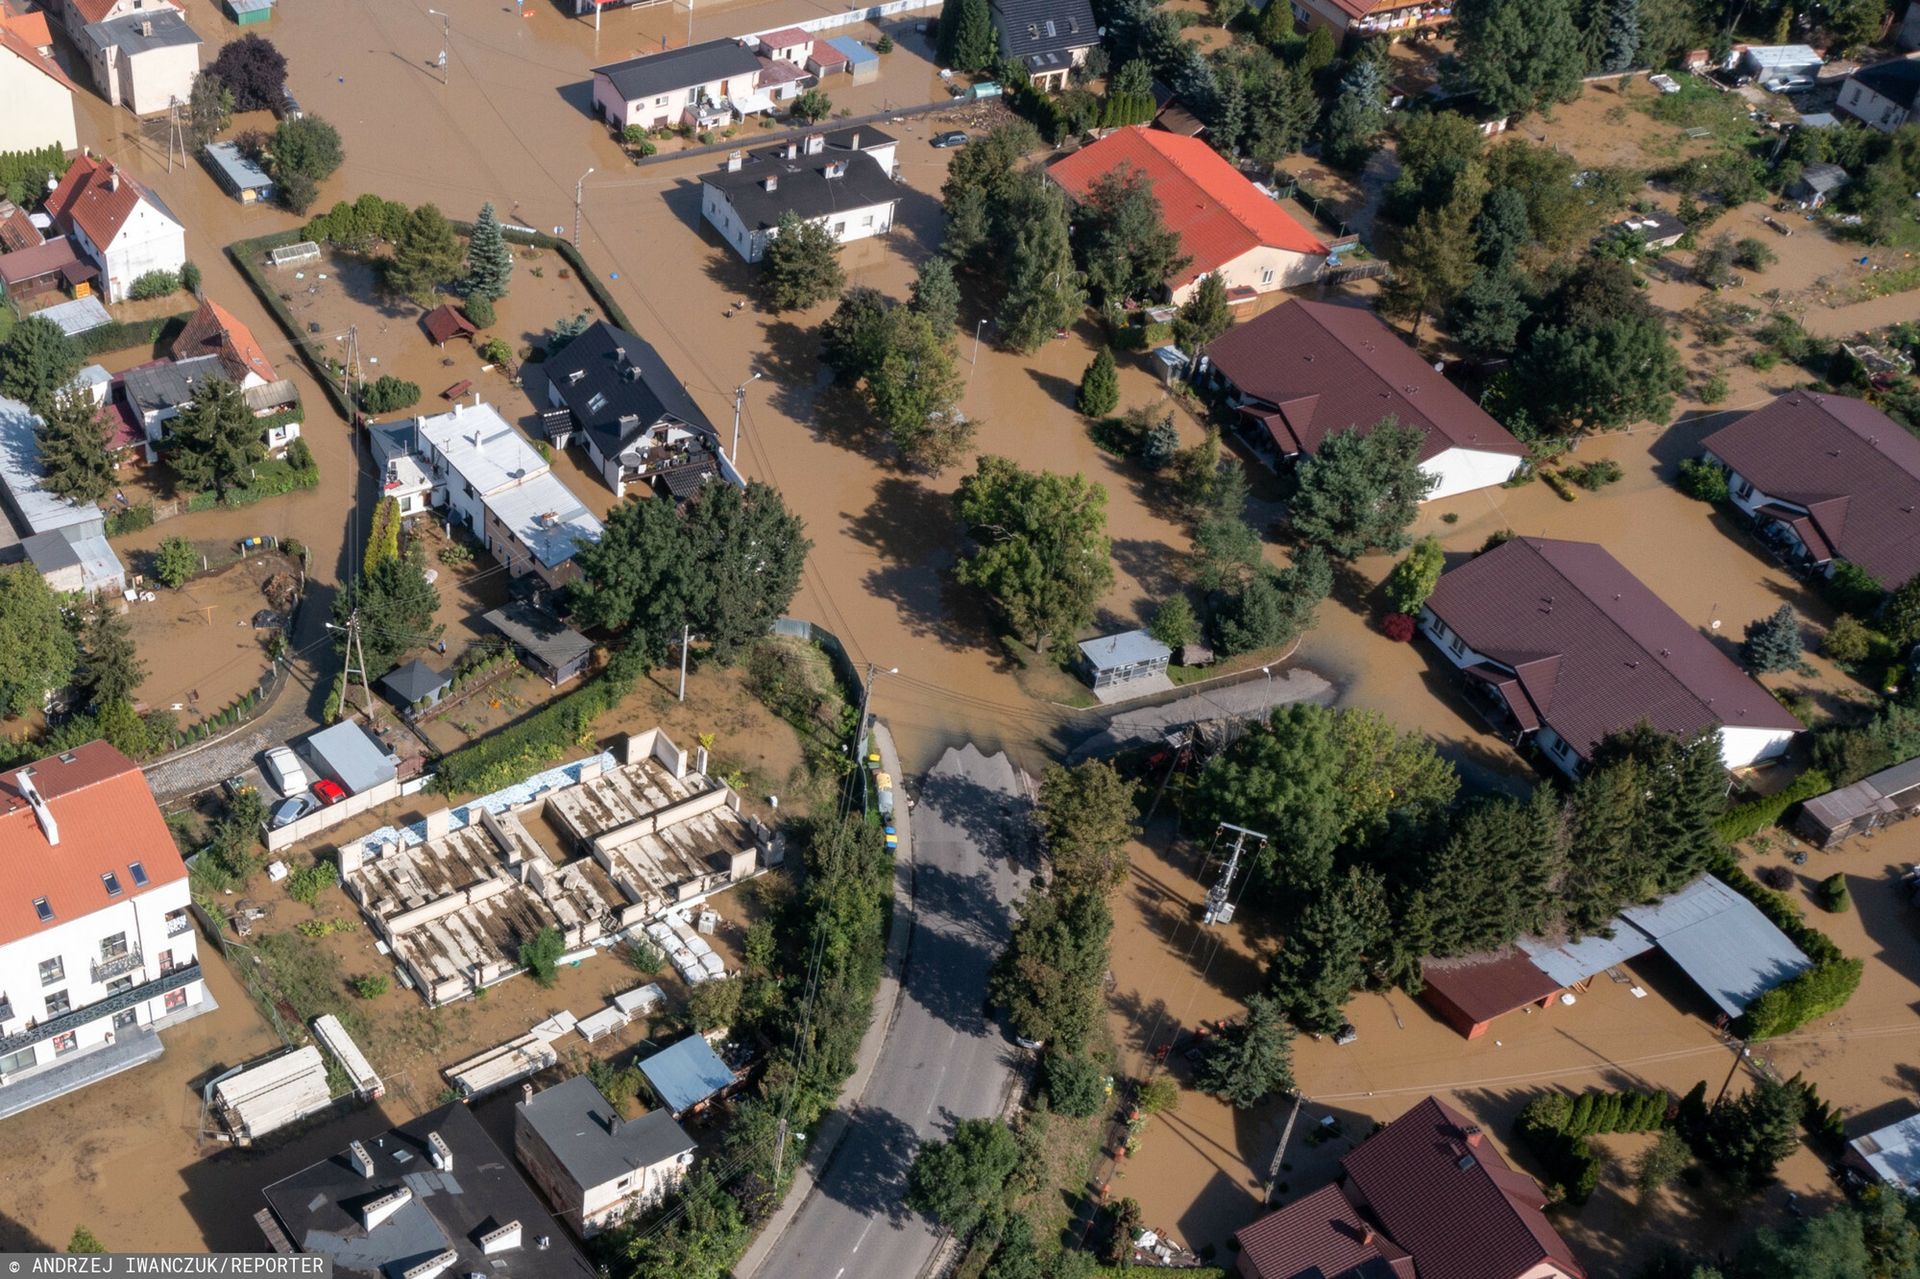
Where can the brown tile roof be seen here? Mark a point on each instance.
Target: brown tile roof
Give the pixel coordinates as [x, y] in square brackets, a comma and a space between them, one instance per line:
[443, 324]
[90, 198]
[17, 230]
[1486, 986]
[1326, 368]
[786, 38]
[1320, 1237]
[40, 260]
[1853, 468]
[214, 330]
[1594, 651]
[106, 819]
[1444, 1193]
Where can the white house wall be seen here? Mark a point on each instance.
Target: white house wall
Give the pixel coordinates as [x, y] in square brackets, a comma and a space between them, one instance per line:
[845, 225]
[1740, 747]
[1264, 269]
[39, 109]
[148, 241]
[1870, 108]
[1455, 648]
[153, 80]
[1464, 470]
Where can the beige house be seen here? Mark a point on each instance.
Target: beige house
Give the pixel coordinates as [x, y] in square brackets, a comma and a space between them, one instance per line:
[147, 61]
[38, 98]
[595, 1167]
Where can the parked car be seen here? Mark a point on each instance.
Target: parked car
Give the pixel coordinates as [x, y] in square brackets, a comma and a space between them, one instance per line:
[289, 107]
[292, 810]
[1664, 83]
[283, 769]
[951, 138]
[328, 792]
[1788, 84]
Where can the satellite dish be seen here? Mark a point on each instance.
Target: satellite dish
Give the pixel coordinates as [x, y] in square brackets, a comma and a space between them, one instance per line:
[1714, 625]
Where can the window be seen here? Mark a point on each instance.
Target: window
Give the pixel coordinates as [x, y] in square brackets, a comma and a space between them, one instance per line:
[176, 999]
[167, 963]
[58, 1003]
[119, 984]
[139, 874]
[867, 221]
[113, 947]
[65, 1043]
[112, 881]
[1458, 647]
[14, 1063]
[52, 970]
[1561, 748]
[1266, 275]
[126, 1019]
[43, 910]
[660, 101]
[1744, 489]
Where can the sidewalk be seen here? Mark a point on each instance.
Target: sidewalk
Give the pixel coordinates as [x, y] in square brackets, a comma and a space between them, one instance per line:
[886, 1002]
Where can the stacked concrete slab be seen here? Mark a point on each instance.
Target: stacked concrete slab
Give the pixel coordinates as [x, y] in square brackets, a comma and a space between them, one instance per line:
[267, 1097]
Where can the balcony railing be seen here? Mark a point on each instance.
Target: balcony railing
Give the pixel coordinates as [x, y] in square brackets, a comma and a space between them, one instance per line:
[48, 1027]
[119, 966]
[177, 924]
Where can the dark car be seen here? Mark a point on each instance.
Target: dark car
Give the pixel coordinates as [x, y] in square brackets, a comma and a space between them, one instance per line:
[951, 138]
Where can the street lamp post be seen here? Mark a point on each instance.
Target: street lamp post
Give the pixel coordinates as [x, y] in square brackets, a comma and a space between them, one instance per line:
[739, 398]
[976, 340]
[446, 42]
[579, 192]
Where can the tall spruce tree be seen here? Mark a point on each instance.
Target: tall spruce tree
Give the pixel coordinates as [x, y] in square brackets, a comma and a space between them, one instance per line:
[936, 295]
[216, 440]
[1045, 292]
[110, 667]
[1495, 876]
[489, 260]
[1520, 55]
[1326, 954]
[966, 35]
[1352, 129]
[1774, 643]
[37, 361]
[1623, 36]
[1204, 316]
[1099, 386]
[73, 447]
[1252, 1059]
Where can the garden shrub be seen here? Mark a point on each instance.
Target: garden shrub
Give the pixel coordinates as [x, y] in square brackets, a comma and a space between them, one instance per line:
[1703, 479]
[1744, 821]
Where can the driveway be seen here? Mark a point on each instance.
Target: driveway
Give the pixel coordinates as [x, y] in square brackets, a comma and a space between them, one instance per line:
[943, 1060]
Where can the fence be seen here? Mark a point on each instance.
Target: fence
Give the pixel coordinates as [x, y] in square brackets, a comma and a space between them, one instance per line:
[852, 17]
[333, 815]
[796, 628]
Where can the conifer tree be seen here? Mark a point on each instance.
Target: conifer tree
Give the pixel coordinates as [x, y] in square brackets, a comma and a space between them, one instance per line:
[1100, 386]
[216, 439]
[73, 447]
[489, 261]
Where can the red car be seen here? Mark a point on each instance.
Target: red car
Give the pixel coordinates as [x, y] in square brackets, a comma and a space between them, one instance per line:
[328, 792]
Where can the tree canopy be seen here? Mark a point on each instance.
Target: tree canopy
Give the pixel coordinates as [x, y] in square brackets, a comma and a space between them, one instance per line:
[1122, 239]
[1250, 1060]
[801, 265]
[1520, 55]
[489, 260]
[37, 361]
[426, 256]
[73, 440]
[216, 440]
[1040, 546]
[1086, 815]
[959, 1180]
[253, 71]
[1361, 490]
[966, 37]
[37, 652]
[1050, 976]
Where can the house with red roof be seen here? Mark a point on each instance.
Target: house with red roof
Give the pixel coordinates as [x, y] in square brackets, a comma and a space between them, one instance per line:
[117, 224]
[37, 93]
[1426, 1197]
[1827, 478]
[96, 947]
[1560, 645]
[214, 330]
[1226, 224]
[1307, 370]
[1371, 17]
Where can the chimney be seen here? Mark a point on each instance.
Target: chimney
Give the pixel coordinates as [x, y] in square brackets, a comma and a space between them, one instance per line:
[384, 1207]
[505, 1238]
[41, 813]
[853, 143]
[793, 149]
[526, 1093]
[1473, 1135]
[816, 143]
[619, 355]
[113, 179]
[441, 1152]
[735, 159]
[432, 1266]
[773, 182]
[146, 29]
[361, 1160]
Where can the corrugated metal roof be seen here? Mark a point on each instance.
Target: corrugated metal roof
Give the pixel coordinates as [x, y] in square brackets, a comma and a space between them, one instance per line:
[1570, 963]
[347, 754]
[686, 1074]
[1894, 1152]
[1128, 648]
[1721, 941]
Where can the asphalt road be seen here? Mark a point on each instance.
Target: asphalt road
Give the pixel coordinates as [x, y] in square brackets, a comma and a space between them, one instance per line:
[943, 1060]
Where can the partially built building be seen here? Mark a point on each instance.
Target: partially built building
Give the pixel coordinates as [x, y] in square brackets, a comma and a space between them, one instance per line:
[590, 849]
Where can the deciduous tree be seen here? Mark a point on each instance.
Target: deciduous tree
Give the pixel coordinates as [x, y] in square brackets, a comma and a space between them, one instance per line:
[37, 652]
[802, 264]
[253, 71]
[1414, 577]
[1086, 816]
[306, 147]
[959, 1181]
[1050, 976]
[209, 110]
[915, 389]
[1040, 546]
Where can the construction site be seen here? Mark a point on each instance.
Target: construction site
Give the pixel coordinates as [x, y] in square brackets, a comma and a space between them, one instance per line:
[590, 849]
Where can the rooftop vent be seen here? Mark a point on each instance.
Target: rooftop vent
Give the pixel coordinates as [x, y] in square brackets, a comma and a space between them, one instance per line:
[362, 1161]
[773, 182]
[378, 1210]
[432, 1266]
[441, 1152]
[504, 1239]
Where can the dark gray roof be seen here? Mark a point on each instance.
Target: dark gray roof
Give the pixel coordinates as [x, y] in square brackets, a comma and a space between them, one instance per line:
[1898, 80]
[541, 633]
[169, 384]
[319, 1207]
[624, 387]
[804, 188]
[580, 1127]
[157, 28]
[414, 681]
[1043, 33]
[1823, 178]
[655, 73]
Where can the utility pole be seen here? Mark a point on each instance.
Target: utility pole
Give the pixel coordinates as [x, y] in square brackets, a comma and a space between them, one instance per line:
[356, 661]
[173, 132]
[1280, 1151]
[446, 42]
[683, 661]
[1219, 907]
[579, 193]
[739, 397]
[350, 371]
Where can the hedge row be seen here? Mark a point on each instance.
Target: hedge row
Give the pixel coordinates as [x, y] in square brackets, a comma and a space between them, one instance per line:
[542, 737]
[122, 335]
[271, 478]
[1744, 821]
[1775, 906]
[247, 256]
[1556, 1126]
[1824, 988]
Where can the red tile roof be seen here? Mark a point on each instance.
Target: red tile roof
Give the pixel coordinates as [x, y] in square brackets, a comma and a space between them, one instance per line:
[1853, 468]
[92, 11]
[1593, 649]
[17, 230]
[786, 38]
[1444, 1193]
[1325, 368]
[90, 197]
[31, 27]
[20, 41]
[1486, 986]
[443, 324]
[214, 330]
[1321, 1236]
[825, 54]
[40, 260]
[106, 819]
[1218, 214]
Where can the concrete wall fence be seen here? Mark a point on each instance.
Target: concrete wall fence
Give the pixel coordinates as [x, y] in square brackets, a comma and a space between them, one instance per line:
[851, 18]
[333, 815]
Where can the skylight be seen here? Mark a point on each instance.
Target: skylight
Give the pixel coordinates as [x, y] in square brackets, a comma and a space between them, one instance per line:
[112, 881]
[43, 910]
[139, 874]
